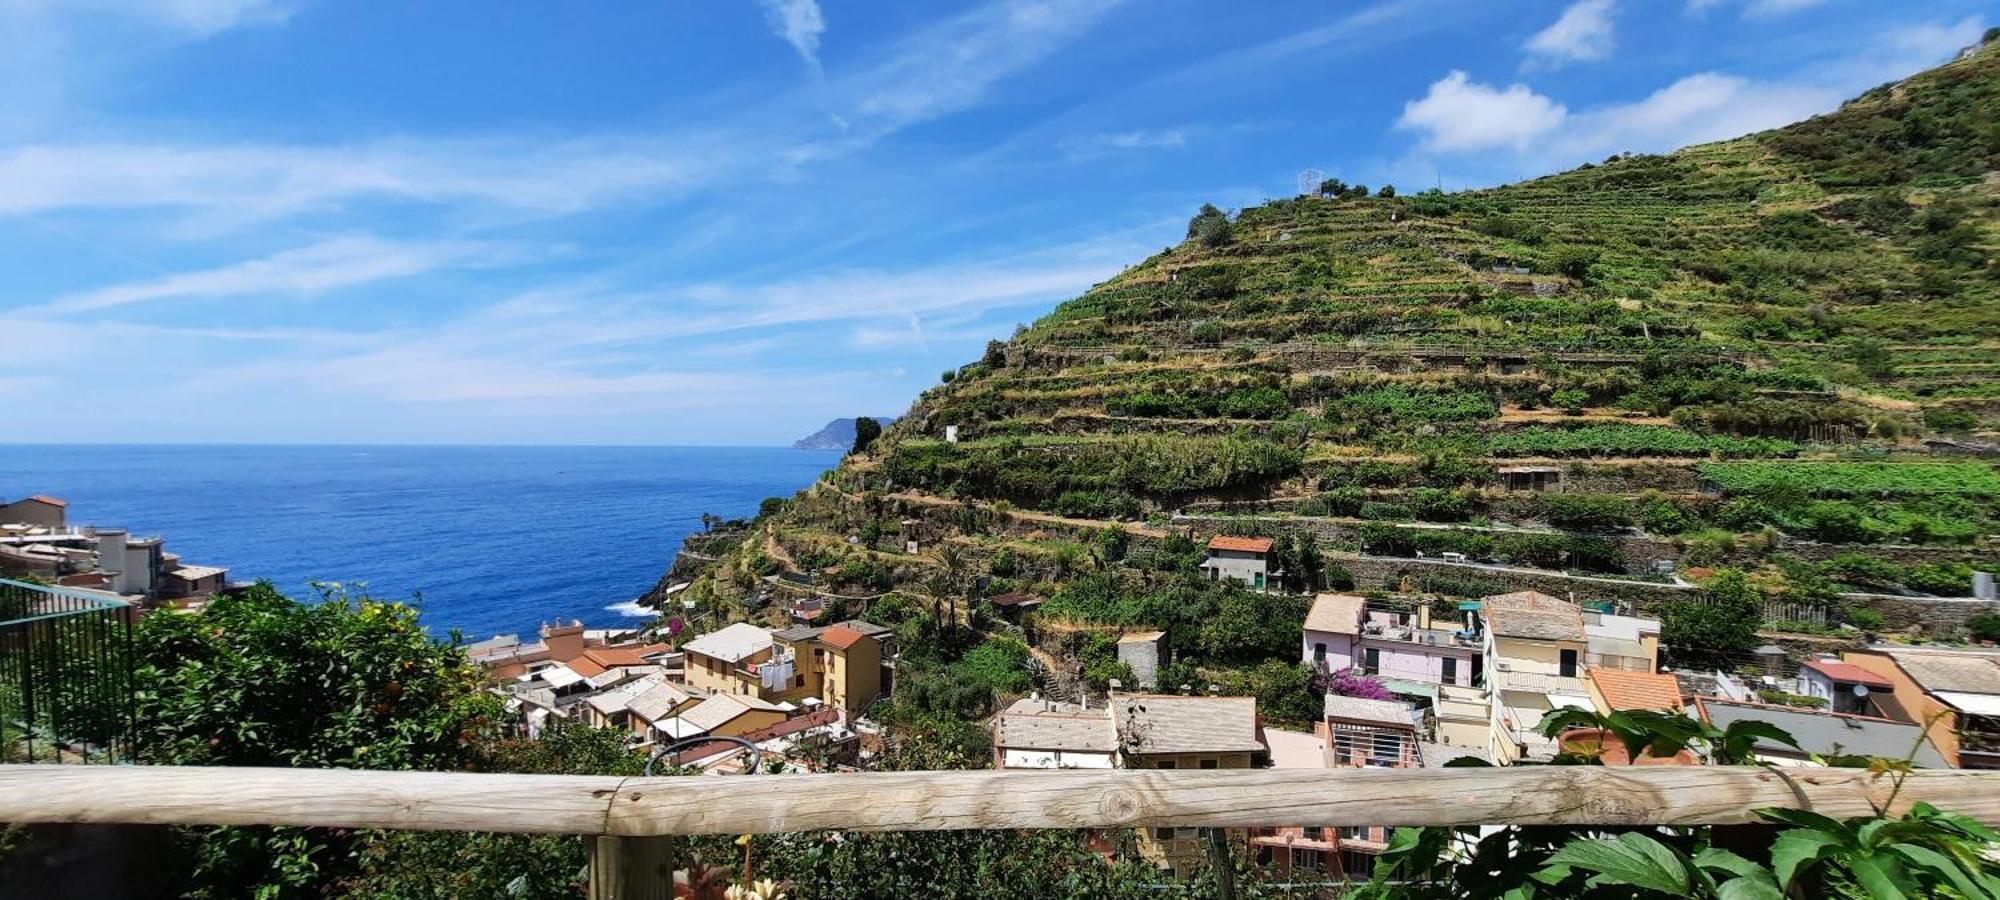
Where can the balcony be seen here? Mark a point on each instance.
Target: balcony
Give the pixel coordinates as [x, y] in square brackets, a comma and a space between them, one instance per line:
[65, 675]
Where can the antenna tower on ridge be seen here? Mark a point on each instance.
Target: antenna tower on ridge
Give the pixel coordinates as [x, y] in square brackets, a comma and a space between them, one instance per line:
[1309, 182]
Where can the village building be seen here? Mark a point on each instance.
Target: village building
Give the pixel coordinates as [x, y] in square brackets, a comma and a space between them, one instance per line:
[816, 742]
[1957, 689]
[1823, 733]
[1439, 668]
[1038, 733]
[1144, 652]
[1245, 560]
[1846, 687]
[839, 665]
[1537, 646]
[725, 715]
[36, 540]
[38, 511]
[1158, 731]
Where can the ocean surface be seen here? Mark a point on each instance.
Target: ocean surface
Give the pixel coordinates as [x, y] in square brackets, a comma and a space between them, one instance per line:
[488, 540]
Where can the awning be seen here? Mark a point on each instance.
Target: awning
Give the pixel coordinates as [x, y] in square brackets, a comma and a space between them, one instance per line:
[1972, 704]
[1411, 688]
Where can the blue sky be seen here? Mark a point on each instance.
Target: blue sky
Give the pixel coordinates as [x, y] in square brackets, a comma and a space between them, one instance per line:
[726, 221]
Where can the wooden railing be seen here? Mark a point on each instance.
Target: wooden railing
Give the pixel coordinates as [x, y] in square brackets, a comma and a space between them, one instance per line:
[635, 818]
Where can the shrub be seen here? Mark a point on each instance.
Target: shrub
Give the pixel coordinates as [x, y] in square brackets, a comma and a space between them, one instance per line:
[1984, 627]
[1570, 400]
[1589, 511]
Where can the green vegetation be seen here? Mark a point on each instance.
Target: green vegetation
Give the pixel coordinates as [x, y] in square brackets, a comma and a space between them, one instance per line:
[1632, 440]
[1841, 479]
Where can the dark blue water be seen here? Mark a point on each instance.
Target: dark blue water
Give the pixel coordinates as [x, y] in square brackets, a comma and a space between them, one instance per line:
[494, 539]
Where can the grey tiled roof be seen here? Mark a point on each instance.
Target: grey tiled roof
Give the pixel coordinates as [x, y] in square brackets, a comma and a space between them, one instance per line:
[1972, 673]
[1533, 615]
[1166, 724]
[1033, 724]
[1819, 731]
[1356, 709]
[1336, 613]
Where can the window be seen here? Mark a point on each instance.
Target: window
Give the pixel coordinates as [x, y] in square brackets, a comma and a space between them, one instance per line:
[1163, 834]
[1208, 764]
[1165, 764]
[1567, 665]
[1371, 661]
[1307, 859]
[1319, 654]
[1260, 581]
[1451, 670]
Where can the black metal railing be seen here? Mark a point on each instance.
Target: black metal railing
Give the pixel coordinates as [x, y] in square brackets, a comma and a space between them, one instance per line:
[65, 675]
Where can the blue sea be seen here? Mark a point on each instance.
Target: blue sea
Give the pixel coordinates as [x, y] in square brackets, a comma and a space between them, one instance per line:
[490, 540]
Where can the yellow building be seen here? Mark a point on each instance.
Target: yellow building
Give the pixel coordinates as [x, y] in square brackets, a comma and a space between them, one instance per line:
[838, 665]
[1538, 648]
[1168, 732]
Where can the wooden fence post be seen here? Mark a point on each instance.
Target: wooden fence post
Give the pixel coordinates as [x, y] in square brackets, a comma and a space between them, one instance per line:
[633, 868]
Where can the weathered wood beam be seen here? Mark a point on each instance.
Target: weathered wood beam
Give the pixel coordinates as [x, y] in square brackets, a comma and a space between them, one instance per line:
[915, 801]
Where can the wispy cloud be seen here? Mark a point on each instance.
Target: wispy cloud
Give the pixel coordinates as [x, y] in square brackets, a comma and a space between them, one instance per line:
[197, 18]
[325, 266]
[1755, 9]
[799, 23]
[1094, 145]
[949, 66]
[1583, 33]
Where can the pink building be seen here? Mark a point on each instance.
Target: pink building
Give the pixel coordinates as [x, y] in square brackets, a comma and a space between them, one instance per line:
[1341, 632]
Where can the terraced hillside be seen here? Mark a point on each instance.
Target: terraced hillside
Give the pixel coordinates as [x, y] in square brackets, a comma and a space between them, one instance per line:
[1779, 353]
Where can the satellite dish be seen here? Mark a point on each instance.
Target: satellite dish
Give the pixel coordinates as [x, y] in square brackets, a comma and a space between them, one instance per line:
[1860, 690]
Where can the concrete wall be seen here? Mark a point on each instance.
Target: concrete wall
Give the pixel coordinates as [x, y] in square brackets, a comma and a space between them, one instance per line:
[1053, 759]
[1145, 658]
[1339, 650]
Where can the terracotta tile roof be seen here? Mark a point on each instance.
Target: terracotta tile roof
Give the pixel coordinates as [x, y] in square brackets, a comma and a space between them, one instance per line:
[786, 728]
[1848, 673]
[840, 637]
[1240, 544]
[632, 655]
[582, 665]
[1626, 691]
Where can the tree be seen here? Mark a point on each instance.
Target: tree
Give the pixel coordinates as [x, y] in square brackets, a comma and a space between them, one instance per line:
[1211, 227]
[866, 430]
[1387, 191]
[1332, 187]
[259, 679]
[1717, 633]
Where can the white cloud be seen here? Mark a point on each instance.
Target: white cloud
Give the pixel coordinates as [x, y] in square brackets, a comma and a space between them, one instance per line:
[1583, 33]
[1755, 9]
[1698, 108]
[325, 266]
[195, 18]
[799, 23]
[1458, 115]
[252, 182]
[950, 66]
[1093, 145]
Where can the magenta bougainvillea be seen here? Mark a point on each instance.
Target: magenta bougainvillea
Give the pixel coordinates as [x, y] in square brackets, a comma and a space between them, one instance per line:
[1350, 683]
